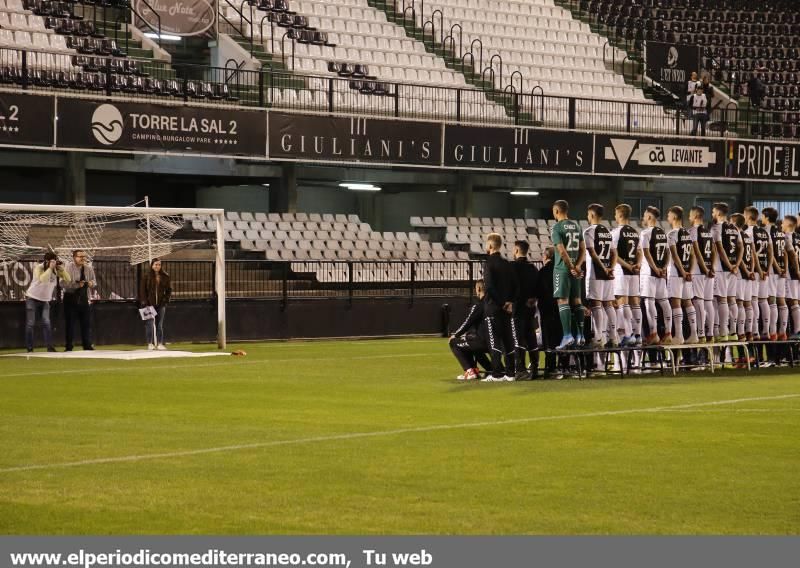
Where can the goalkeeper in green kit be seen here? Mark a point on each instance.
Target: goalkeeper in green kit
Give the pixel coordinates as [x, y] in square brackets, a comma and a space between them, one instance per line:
[568, 275]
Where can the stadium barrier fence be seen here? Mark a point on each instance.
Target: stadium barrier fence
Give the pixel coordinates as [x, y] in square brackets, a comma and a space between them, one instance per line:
[118, 280]
[131, 78]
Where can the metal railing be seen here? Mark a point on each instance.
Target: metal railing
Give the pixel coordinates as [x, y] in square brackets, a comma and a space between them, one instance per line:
[270, 88]
[118, 281]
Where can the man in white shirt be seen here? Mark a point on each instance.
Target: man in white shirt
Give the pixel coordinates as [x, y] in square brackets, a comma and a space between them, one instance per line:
[38, 296]
[698, 104]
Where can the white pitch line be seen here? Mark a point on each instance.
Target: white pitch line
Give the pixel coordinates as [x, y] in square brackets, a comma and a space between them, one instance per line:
[203, 365]
[711, 410]
[382, 433]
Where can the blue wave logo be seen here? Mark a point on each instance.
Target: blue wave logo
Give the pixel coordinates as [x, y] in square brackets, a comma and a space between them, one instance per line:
[107, 124]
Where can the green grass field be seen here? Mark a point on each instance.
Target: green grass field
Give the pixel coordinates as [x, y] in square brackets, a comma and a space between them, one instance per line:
[376, 437]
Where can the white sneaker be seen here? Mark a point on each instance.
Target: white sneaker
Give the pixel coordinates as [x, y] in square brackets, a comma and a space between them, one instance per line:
[693, 339]
[161, 347]
[150, 347]
[677, 339]
[493, 379]
[508, 379]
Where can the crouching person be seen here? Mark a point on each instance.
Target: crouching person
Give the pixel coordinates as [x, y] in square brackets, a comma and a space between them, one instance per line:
[469, 342]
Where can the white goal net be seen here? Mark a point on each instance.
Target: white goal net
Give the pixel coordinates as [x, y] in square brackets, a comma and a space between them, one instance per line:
[134, 234]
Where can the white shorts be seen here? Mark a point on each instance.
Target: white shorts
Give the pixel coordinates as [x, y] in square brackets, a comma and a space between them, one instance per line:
[601, 290]
[703, 287]
[725, 284]
[653, 287]
[677, 287]
[777, 286]
[763, 288]
[626, 284]
[792, 289]
[744, 291]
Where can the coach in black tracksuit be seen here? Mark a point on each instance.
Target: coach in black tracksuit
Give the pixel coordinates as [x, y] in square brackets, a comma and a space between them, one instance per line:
[501, 289]
[524, 309]
[548, 311]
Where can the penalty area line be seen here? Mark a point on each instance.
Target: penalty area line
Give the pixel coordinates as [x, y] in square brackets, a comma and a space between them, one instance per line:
[386, 433]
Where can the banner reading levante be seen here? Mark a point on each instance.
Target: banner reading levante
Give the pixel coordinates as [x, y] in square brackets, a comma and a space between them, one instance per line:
[774, 160]
[177, 17]
[672, 64]
[148, 127]
[644, 155]
[26, 120]
[354, 139]
[505, 148]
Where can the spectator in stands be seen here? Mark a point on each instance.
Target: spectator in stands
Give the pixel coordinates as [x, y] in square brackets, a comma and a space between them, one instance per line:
[690, 88]
[38, 296]
[699, 104]
[755, 88]
[708, 91]
[548, 311]
[155, 291]
[501, 289]
[470, 342]
[77, 301]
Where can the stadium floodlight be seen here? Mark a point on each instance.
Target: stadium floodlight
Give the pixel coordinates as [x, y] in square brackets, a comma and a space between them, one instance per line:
[84, 227]
[525, 193]
[353, 186]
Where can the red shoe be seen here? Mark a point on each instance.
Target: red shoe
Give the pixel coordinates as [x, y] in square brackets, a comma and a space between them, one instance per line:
[652, 339]
[748, 337]
[781, 337]
[773, 337]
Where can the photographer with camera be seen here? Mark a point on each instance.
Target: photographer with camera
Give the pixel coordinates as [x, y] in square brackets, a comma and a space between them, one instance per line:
[155, 291]
[76, 299]
[39, 295]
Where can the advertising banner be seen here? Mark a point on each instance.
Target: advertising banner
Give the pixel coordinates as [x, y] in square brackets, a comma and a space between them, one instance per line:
[672, 64]
[646, 155]
[773, 160]
[150, 127]
[504, 148]
[354, 139]
[26, 120]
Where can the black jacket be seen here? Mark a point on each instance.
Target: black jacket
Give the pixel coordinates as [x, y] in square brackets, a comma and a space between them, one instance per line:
[527, 279]
[548, 307]
[474, 322]
[501, 283]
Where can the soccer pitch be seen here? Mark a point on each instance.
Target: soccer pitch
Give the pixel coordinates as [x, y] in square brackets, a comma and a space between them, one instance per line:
[376, 437]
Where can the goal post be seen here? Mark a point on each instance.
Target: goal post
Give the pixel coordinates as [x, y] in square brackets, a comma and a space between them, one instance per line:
[84, 223]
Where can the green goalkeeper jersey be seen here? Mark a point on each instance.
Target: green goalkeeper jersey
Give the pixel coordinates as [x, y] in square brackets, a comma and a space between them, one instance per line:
[567, 233]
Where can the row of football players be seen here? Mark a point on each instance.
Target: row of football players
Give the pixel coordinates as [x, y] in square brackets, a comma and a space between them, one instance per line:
[734, 277]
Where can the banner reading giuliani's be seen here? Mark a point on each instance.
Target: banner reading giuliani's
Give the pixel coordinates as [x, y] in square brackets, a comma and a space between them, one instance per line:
[354, 139]
[148, 127]
[774, 160]
[26, 120]
[672, 64]
[507, 148]
[645, 155]
[177, 17]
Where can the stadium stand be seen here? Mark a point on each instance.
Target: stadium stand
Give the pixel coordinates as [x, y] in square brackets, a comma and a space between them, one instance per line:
[354, 41]
[541, 41]
[87, 47]
[740, 40]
